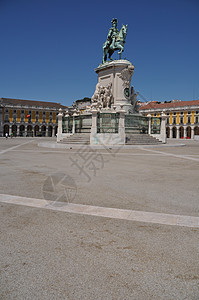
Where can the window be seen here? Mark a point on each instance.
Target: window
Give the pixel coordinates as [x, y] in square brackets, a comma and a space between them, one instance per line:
[14, 118]
[196, 112]
[50, 119]
[181, 112]
[174, 120]
[167, 114]
[37, 112]
[6, 118]
[51, 113]
[174, 113]
[189, 120]
[14, 111]
[181, 120]
[155, 115]
[29, 112]
[167, 120]
[37, 118]
[189, 112]
[6, 110]
[22, 119]
[44, 112]
[22, 111]
[196, 119]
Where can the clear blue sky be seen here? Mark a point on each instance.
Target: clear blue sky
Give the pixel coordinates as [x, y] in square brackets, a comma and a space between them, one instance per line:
[50, 48]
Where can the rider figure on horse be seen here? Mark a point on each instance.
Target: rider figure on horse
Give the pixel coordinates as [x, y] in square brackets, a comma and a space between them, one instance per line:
[115, 41]
[112, 34]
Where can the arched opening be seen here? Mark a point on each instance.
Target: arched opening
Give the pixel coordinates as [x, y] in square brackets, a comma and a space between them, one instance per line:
[196, 130]
[174, 130]
[36, 130]
[22, 130]
[5, 130]
[168, 132]
[188, 132]
[43, 130]
[56, 130]
[50, 130]
[181, 132]
[14, 130]
[29, 130]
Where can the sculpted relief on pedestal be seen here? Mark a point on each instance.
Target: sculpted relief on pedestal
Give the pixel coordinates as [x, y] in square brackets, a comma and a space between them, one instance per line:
[103, 97]
[126, 75]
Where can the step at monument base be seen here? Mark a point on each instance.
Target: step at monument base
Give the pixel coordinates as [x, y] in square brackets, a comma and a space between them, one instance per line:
[77, 139]
[141, 139]
[131, 139]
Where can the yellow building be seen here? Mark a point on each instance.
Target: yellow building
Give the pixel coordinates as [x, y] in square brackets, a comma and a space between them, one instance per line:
[28, 118]
[182, 117]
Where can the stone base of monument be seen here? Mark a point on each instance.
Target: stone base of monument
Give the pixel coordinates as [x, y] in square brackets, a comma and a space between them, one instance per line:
[113, 88]
[111, 117]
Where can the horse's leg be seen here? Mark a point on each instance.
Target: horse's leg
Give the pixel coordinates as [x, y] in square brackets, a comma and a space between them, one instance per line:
[104, 55]
[110, 52]
[120, 47]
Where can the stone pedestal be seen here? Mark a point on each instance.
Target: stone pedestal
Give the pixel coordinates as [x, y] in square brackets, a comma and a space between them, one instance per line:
[163, 128]
[149, 125]
[121, 128]
[59, 132]
[118, 73]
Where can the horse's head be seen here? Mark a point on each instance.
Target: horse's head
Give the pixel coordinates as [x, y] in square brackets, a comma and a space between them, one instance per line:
[123, 32]
[124, 29]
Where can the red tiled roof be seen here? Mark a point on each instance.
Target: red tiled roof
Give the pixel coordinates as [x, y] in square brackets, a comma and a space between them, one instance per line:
[31, 103]
[153, 105]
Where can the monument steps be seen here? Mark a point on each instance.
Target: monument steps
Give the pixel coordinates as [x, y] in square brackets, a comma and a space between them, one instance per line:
[80, 138]
[131, 139]
[141, 139]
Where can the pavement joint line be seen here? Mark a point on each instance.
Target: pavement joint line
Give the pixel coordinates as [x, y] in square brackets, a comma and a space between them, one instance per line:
[171, 154]
[14, 147]
[119, 153]
[77, 152]
[98, 211]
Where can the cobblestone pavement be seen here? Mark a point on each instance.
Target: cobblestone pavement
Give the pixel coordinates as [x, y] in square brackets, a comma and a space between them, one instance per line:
[48, 254]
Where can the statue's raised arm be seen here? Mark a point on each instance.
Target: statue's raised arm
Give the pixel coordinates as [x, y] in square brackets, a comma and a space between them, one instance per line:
[115, 41]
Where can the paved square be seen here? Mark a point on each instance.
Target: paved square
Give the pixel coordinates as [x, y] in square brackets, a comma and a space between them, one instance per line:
[56, 251]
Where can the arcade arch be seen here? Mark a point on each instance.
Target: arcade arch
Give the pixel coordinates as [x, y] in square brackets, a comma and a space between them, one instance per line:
[196, 130]
[36, 130]
[168, 132]
[181, 132]
[50, 130]
[14, 130]
[174, 132]
[43, 130]
[6, 129]
[22, 130]
[188, 131]
[29, 130]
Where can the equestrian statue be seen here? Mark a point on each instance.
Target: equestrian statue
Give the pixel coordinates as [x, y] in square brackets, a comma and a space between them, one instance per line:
[115, 41]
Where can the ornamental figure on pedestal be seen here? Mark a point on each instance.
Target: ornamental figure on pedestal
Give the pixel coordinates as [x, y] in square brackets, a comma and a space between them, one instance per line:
[115, 40]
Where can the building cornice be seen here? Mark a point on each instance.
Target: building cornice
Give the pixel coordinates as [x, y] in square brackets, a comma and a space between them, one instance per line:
[174, 109]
